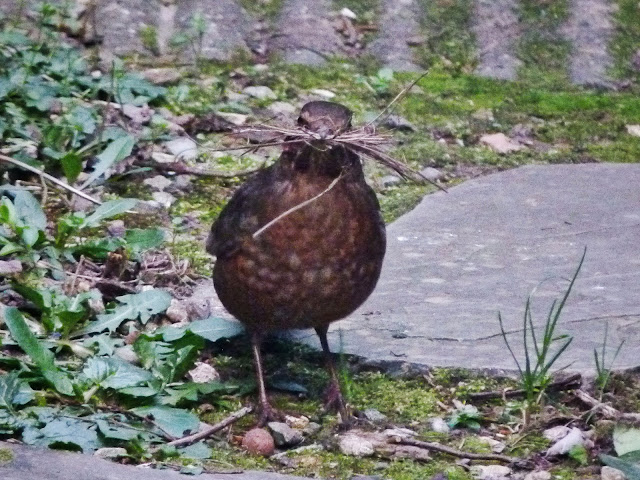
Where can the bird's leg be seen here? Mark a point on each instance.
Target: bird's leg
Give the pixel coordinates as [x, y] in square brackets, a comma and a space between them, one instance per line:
[266, 412]
[334, 395]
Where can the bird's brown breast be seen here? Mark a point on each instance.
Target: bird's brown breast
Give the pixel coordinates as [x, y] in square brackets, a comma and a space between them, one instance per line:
[308, 268]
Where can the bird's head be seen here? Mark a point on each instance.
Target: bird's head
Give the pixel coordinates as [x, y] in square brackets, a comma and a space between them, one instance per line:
[326, 119]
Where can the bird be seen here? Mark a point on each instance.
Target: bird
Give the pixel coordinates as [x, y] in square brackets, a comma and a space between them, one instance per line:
[301, 243]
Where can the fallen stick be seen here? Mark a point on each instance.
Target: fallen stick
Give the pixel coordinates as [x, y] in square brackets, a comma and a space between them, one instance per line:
[568, 383]
[46, 176]
[607, 411]
[189, 439]
[438, 447]
[180, 168]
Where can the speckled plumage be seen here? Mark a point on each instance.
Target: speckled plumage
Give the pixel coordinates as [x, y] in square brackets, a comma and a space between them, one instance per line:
[315, 265]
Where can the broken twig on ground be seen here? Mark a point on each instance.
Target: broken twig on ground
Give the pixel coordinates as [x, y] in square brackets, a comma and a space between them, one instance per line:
[438, 447]
[234, 417]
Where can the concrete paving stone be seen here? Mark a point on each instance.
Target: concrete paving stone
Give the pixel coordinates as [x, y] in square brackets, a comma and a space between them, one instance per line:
[496, 28]
[399, 23]
[590, 28]
[32, 463]
[228, 26]
[306, 34]
[460, 257]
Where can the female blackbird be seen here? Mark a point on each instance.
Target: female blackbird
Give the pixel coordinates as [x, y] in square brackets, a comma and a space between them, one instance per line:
[301, 243]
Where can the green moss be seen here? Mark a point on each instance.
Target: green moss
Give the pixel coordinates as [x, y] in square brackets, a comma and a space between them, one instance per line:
[192, 250]
[542, 50]
[527, 444]
[366, 11]
[449, 41]
[6, 456]
[268, 9]
[627, 39]
[401, 400]
[397, 201]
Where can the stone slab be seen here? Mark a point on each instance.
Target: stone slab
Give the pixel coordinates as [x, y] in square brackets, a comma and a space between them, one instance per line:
[37, 463]
[460, 257]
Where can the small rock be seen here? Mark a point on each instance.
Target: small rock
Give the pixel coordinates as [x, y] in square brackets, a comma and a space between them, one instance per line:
[237, 97]
[299, 423]
[540, 475]
[183, 182]
[374, 415]
[204, 373]
[399, 432]
[140, 115]
[161, 157]
[260, 92]
[556, 433]
[345, 12]
[177, 312]
[484, 114]
[111, 452]
[96, 305]
[10, 267]
[261, 67]
[149, 206]
[235, 118]
[490, 472]
[390, 181]
[284, 435]
[182, 148]
[127, 354]
[396, 122]
[366, 477]
[159, 182]
[162, 76]
[633, 130]
[496, 446]
[351, 444]
[116, 228]
[572, 439]
[500, 143]
[328, 94]
[311, 429]
[163, 198]
[282, 108]
[258, 442]
[608, 473]
[431, 173]
[439, 425]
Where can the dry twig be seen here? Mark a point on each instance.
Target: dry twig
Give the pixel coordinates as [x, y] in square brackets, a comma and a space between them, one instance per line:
[568, 383]
[605, 410]
[189, 439]
[46, 176]
[438, 447]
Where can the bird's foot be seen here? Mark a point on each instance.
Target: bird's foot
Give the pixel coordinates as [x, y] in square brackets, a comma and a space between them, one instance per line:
[266, 414]
[334, 402]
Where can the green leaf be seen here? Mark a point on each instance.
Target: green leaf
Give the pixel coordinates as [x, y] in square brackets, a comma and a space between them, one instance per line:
[199, 451]
[214, 329]
[174, 421]
[116, 432]
[116, 151]
[28, 210]
[107, 210]
[138, 239]
[71, 165]
[14, 391]
[579, 454]
[114, 373]
[65, 433]
[631, 470]
[5, 87]
[626, 439]
[42, 357]
[143, 305]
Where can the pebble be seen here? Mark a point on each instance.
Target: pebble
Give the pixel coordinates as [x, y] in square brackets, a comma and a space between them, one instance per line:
[496, 446]
[163, 198]
[237, 97]
[258, 442]
[490, 472]
[540, 475]
[321, 92]
[608, 473]
[235, 118]
[399, 432]
[284, 435]
[390, 180]
[161, 157]
[204, 373]
[127, 354]
[162, 76]
[351, 444]
[345, 12]
[159, 182]
[374, 415]
[260, 92]
[282, 108]
[182, 148]
[299, 423]
[111, 452]
[431, 173]
[116, 228]
[439, 425]
[396, 122]
[10, 267]
[633, 130]
[311, 429]
[176, 312]
[500, 143]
